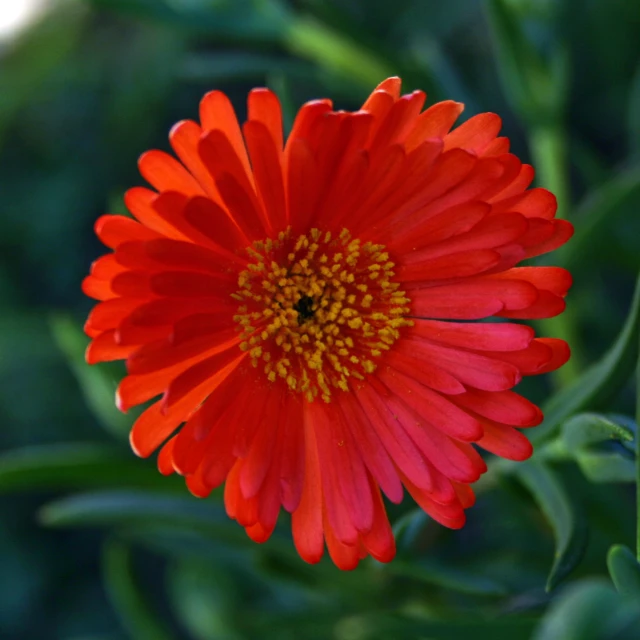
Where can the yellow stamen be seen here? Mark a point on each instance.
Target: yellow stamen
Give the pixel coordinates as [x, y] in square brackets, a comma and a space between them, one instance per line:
[318, 310]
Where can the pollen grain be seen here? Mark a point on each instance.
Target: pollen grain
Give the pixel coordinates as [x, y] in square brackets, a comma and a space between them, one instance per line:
[318, 310]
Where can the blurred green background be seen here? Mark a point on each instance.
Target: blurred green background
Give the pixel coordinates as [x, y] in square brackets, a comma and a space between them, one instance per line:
[94, 544]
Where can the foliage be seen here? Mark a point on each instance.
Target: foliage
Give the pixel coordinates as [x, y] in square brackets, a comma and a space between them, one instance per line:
[118, 551]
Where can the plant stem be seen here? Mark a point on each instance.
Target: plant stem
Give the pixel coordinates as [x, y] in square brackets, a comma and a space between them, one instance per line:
[548, 146]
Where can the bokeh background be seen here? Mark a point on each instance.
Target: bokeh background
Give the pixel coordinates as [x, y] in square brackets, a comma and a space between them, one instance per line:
[94, 544]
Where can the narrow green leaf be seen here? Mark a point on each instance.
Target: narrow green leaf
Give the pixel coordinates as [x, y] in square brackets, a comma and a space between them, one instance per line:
[569, 531]
[590, 610]
[383, 625]
[534, 87]
[438, 574]
[585, 429]
[206, 599]
[407, 529]
[600, 209]
[463, 627]
[117, 508]
[335, 52]
[97, 386]
[599, 383]
[77, 465]
[624, 570]
[280, 564]
[135, 613]
[606, 467]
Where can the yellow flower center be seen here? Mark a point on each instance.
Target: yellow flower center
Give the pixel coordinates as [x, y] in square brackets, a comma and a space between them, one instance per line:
[318, 310]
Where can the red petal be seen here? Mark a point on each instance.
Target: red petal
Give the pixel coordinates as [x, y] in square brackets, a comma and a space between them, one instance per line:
[391, 85]
[435, 122]
[446, 460]
[185, 138]
[437, 410]
[165, 458]
[345, 483]
[400, 447]
[371, 448]
[265, 159]
[108, 314]
[405, 361]
[113, 230]
[216, 112]
[105, 348]
[306, 520]
[489, 233]
[451, 515]
[472, 299]
[263, 107]
[306, 120]
[260, 454]
[468, 367]
[560, 354]
[399, 121]
[484, 337]
[505, 441]
[449, 223]
[535, 203]
[165, 173]
[502, 406]
[475, 134]
[379, 541]
[139, 201]
[448, 266]
[562, 231]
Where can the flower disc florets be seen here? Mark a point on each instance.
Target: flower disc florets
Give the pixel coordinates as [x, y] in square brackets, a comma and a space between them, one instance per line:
[318, 310]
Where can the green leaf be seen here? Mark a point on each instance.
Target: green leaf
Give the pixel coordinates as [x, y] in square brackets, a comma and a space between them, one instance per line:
[579, 435]
[624, 570]
[585, 429]
[600, 210]
[408, 528]
[129, 508]
[77, 465]
[206, 599]
[466, 626]
[601, 382]
[569, 530]
[335, 52]
[437, 573]
[135, 613]
[606, 467]
[536, 89]
[384, 625]
[590, 610]
[97, 386]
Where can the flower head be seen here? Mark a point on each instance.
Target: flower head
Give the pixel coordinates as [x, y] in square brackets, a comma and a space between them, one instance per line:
[306, 311]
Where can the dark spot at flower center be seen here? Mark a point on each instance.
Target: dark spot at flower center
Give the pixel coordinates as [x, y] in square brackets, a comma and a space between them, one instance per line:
[304, 307]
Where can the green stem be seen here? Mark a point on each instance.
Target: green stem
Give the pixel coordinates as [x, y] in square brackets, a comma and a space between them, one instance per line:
[549, 150]
[548, 146]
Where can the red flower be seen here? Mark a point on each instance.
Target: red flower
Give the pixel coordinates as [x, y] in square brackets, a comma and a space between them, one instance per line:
[292, 303]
